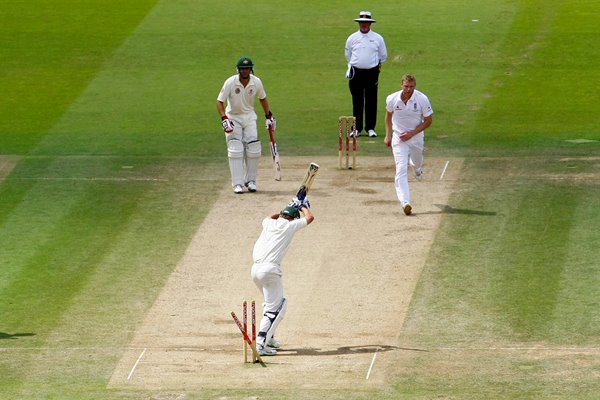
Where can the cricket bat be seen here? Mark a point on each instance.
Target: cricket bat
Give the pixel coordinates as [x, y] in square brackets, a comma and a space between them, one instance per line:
[275, 154]
[311, 173]
[248, 340]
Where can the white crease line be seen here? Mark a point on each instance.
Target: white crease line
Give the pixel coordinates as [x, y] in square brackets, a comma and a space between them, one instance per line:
[135, 365]
[372, 363]
[444, 171]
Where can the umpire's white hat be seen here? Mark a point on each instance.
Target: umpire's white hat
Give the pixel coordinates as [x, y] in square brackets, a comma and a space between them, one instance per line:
[365, 16]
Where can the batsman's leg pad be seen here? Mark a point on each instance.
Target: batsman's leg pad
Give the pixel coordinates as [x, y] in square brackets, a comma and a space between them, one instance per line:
[235, 148]
[235, 152]
[253, 153]
[274, 319]
[254, 149]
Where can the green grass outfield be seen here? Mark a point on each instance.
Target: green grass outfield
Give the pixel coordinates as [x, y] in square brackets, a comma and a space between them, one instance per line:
[109, 107]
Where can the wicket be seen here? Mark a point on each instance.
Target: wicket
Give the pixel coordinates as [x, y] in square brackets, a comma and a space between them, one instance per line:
[245, 323]
[249, 341]
[347, 127]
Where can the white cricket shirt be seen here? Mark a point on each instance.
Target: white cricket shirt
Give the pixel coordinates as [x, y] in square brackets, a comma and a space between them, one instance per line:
[407, 117]
[365, 50]
[240, 99]
[275, 239]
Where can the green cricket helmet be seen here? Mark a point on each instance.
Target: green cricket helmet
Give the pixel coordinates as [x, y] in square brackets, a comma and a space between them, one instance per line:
[291, 212]
[244, 62]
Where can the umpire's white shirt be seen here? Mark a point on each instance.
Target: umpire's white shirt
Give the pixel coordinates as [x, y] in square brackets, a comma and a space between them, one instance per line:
[407, 117]
[275, 239]
[365, 50]
[240, 99]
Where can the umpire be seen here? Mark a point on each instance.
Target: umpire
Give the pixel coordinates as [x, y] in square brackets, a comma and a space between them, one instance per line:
[365, 52]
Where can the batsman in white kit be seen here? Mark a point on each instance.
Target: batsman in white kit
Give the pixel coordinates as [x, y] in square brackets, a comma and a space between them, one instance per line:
[273, 243]
[239, 123]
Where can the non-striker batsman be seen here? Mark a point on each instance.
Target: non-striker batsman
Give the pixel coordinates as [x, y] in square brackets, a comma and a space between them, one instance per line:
[239, 123]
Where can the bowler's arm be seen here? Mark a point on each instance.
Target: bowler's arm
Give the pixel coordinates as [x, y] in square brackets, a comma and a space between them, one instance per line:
[388, 129]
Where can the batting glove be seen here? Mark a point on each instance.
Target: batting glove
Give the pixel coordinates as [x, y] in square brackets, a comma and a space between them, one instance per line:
[227, 124]
[295, 203]
[270, 122]
[305, 203]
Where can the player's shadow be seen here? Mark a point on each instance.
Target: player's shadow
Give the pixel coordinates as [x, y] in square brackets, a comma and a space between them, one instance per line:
[446, 209]
[271, 193]
[369, 349]
[4, 335]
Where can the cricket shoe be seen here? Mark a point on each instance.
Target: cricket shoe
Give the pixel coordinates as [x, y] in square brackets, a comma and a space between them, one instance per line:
[251, 186]
[418, 171]
[419, 174]
[355, 132]
[406, 207]
[372, 133]
[266, 351]
[274, 343]
[238, 189]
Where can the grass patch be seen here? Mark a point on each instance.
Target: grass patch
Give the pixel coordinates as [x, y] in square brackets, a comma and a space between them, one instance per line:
[74, 299]
[507, 305]
[50, 52]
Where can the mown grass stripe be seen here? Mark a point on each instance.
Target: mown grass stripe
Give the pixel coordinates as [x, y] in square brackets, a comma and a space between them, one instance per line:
[63, 262]
[531, 257]
[50, 51]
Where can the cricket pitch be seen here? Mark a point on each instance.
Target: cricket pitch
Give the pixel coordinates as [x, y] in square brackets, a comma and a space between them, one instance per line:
[348, 277]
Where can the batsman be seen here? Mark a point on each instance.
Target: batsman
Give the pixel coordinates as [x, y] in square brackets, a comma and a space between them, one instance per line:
[278, 230]
[239, 123]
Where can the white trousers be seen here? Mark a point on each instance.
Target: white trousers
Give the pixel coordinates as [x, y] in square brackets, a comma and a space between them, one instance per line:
[268, 279]
[403, 152]
[243, 168]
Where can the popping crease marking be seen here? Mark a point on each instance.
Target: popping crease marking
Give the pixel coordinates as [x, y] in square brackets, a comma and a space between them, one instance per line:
[136, 364]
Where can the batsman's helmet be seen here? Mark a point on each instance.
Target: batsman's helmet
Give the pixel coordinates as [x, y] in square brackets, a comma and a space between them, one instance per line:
[244, 62]
[291, 212]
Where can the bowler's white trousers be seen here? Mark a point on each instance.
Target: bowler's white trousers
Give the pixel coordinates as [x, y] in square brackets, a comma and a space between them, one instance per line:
[403, 152]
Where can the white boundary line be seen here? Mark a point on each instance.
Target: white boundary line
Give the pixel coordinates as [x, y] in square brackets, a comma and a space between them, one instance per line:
[371, 366]
[136, 364]
[444, 171]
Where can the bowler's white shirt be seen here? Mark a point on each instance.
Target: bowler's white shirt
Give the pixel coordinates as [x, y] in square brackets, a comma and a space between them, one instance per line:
[407, 117]
[240, 99]
[365, 50]
[275, 239]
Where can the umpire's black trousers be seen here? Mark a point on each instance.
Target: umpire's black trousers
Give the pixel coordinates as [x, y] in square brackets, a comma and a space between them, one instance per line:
[363, 88]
